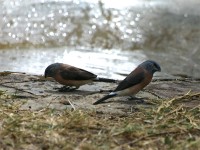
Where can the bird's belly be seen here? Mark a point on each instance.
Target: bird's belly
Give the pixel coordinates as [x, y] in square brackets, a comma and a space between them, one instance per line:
[131, 91]
[76, 83]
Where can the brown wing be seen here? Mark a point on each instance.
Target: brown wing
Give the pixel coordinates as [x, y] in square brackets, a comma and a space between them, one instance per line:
[73, 73]
[135, 77]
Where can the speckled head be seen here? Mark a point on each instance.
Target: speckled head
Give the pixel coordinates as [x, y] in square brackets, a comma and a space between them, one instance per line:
[50, 71]
[151, 66]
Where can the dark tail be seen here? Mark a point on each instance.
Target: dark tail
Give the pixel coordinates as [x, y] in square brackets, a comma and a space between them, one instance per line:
[105, 80]
[104, 98]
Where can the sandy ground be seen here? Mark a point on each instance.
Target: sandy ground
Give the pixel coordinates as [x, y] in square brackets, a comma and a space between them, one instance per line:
[38, 93]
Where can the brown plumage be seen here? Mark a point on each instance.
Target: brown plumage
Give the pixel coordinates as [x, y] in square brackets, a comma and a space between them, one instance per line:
[135, 81]
[72, 76]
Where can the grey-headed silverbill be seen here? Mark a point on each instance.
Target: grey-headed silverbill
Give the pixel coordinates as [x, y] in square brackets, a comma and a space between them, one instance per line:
[72, 76]
[135, 81]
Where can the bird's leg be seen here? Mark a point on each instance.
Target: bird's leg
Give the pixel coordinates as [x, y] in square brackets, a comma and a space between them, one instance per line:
[140, 100]
[66, 89]
[105, 91]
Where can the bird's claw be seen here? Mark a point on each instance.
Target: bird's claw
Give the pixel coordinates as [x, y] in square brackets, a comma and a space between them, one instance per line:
[104, 91]
[66, 89]
[138, 100]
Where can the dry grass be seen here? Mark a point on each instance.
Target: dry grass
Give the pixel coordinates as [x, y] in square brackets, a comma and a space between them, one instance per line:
[167, 125]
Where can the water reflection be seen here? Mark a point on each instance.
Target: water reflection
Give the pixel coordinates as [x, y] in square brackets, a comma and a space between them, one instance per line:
[106, 63]
[109, 30]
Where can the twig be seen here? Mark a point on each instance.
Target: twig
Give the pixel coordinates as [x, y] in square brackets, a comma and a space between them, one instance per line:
[71, 105]
[79, 145]
[144, 137]
[51, 101]
[17, 89]
[178, 79]
[31, 80]
[153, 93]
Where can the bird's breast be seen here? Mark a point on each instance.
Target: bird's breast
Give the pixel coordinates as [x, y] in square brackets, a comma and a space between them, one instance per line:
[135, 88]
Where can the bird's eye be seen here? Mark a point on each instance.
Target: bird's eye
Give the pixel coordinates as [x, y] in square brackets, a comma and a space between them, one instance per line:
[155, 66]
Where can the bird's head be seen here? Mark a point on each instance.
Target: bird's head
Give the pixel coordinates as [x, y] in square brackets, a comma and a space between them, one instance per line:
[151, 66]
[51, 70]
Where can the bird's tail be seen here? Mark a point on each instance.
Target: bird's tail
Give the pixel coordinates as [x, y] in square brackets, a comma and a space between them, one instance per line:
[112, 94]
[105, 80]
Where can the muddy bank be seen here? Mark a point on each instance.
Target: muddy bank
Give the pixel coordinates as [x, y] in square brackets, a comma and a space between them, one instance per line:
[37, 93]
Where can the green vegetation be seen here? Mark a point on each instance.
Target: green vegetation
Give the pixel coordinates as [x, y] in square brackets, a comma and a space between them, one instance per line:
[168, 124]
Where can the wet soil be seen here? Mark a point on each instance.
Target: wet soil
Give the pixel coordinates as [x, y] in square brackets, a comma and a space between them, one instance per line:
[37, 93]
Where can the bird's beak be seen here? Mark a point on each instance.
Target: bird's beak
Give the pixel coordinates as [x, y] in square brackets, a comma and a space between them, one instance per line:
[159, 69]
[45, 75]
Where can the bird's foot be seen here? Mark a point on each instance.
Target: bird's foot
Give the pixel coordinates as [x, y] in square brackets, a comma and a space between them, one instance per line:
[66, 89]
[104, 91]
[138, 100]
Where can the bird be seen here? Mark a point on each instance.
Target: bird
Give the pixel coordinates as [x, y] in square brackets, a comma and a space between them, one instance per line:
[135, 81]
[71, 76]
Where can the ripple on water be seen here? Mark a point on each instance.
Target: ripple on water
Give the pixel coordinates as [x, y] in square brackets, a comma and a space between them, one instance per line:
[157, 29]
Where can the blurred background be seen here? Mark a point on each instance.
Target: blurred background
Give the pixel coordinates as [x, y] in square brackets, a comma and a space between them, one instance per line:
[106, 37]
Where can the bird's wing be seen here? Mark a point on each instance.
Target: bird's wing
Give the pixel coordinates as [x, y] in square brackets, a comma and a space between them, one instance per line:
[73, 73]
[135, 77]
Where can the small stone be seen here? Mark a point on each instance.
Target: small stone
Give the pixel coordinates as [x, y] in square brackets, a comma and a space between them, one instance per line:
[64, 102]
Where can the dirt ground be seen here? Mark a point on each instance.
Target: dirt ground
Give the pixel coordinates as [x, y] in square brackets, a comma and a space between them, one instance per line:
[38, 93]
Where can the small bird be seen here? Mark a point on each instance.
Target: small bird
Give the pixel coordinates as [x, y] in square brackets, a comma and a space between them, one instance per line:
[135, 81]
[72, 76]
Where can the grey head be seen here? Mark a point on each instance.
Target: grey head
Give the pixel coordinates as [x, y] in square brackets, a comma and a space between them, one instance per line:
[151, 66]
[50, 71]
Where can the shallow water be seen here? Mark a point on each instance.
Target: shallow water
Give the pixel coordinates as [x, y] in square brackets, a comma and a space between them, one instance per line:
[110, 40]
